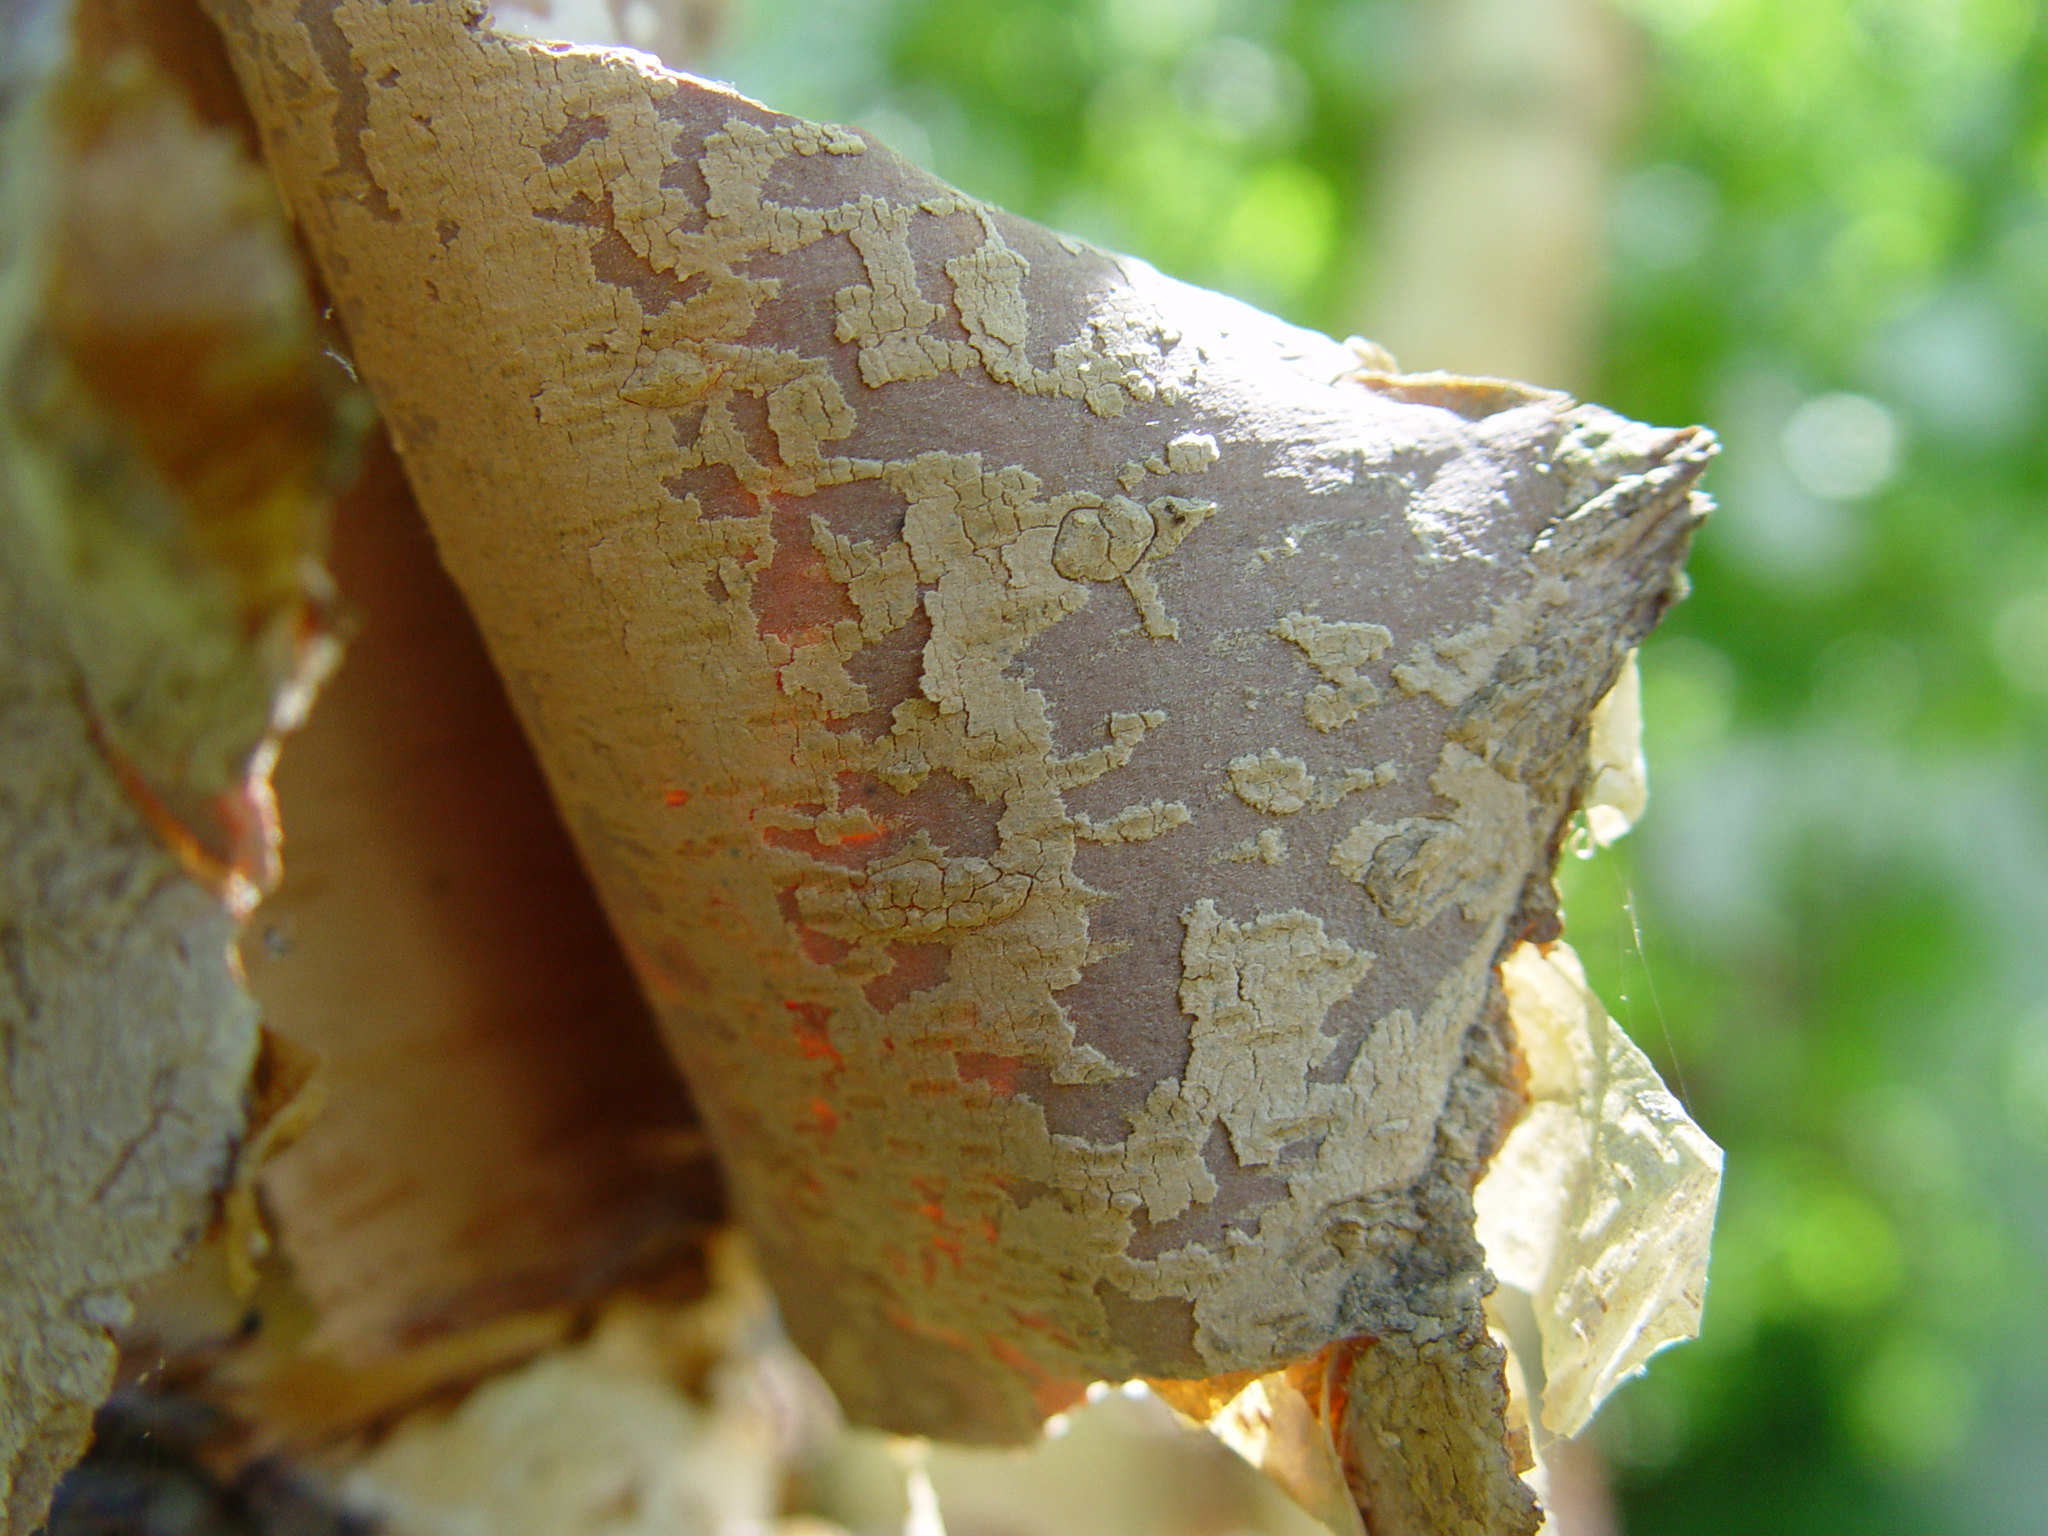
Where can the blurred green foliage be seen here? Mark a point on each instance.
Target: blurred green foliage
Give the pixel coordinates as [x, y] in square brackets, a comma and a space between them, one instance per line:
[1828, 238]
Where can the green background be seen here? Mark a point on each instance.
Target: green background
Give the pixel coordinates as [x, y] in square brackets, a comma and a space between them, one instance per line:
[1831, 929]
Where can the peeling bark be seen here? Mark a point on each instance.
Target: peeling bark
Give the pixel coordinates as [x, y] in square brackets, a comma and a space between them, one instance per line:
[502, 1132]
[890, 588]
[167, 433]
[1064, 755]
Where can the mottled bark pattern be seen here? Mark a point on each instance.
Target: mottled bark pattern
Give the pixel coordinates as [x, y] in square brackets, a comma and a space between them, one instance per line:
[1063, 751]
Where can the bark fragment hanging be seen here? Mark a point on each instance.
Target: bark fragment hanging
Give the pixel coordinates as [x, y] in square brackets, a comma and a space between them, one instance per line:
[893, 592]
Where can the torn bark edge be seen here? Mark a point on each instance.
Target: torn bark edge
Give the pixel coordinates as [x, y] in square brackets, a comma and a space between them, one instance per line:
[1432, 1432]
[169, 437]
[1407, 1425]
[285, 1093]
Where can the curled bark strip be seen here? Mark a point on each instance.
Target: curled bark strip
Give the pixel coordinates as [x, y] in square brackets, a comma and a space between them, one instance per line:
[502, 1131]
[894, 591]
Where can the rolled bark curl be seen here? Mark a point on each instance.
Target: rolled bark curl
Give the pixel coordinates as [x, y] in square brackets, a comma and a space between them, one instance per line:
[1064, 751]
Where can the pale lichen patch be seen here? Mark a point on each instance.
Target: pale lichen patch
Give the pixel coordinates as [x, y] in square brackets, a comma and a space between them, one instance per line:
[887, 316]
[1420, 865]
[1338, 651]
[1102, 541]
[1330, 791]
[1272, 782]
[882, 583]
[1191, 453]
[1451, 667]
[1269, 847]
[1127, 729]
[1280, 785]
[1134, 824]
[1258, 993]
[1114, 540]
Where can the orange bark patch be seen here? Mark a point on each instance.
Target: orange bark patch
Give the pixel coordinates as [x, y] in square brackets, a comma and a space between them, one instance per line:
[999, 1072]
[812, 1028]
[1052, 1394]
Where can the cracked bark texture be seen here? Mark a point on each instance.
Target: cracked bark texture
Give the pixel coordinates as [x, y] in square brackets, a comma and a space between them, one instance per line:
[1063, 752]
